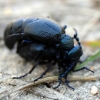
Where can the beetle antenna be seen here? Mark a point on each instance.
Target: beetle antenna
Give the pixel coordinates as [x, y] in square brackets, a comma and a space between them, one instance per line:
[76, 37]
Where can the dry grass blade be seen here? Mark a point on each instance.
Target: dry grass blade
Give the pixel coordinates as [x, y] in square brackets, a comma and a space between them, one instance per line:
[91, 43]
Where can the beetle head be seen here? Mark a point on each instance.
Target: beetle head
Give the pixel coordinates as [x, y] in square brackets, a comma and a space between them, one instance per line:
[75, 53]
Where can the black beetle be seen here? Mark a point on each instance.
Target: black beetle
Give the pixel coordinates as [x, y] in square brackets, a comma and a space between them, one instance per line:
[44, 41]
[41, 29]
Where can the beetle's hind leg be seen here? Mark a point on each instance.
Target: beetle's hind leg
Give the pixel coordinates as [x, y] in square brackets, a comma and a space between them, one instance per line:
[53, 63]
[38, 63]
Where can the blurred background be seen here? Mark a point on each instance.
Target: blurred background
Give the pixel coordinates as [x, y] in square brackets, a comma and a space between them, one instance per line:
[80, 14]
[83, 15]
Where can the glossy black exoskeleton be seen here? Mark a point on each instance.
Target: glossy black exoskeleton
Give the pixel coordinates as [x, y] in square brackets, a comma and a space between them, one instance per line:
[44, 41]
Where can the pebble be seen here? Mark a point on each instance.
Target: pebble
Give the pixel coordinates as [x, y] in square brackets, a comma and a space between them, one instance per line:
[94, 90]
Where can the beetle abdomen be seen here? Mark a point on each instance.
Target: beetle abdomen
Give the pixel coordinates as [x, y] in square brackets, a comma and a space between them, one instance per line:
[12, 28]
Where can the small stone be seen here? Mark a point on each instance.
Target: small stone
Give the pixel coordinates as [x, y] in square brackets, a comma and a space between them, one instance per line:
[94, 90]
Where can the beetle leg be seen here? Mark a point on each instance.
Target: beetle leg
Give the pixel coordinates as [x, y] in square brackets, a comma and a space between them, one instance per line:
[67, 83]
[59, 79]
[53, 63]
[59, 69]
[82, 69]
[38, 63]
[65, 75]
[17, 35]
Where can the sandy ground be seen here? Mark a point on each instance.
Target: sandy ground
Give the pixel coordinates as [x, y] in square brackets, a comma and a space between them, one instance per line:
[83, 15]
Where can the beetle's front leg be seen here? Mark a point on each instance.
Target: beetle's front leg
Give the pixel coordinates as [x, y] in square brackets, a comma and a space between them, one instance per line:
[66, 81]
[65, 76]
[82, 69]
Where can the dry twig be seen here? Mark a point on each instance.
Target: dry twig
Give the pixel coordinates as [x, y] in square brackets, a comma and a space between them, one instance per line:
[48, 79]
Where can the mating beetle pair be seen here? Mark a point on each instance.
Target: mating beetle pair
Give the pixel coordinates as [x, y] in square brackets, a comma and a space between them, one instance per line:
[44, 41]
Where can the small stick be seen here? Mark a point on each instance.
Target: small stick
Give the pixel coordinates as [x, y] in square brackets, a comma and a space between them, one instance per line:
[47, 79]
